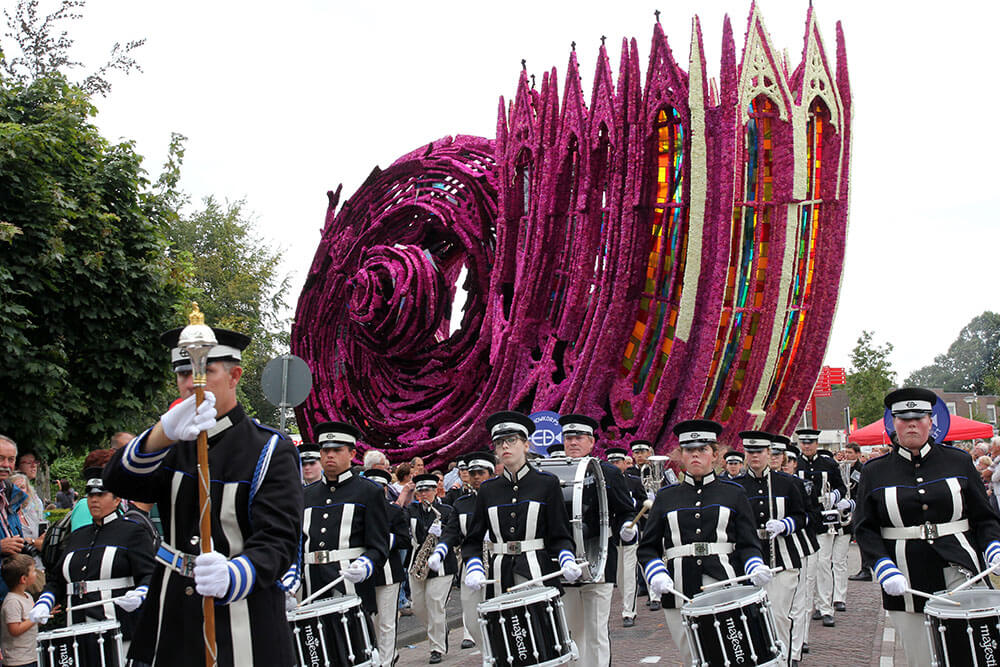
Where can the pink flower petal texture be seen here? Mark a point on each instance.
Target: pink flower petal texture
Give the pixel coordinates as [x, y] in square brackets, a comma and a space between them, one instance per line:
[672, 248]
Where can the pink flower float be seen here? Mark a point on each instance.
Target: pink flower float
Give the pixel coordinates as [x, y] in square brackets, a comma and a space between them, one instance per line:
[673, 248]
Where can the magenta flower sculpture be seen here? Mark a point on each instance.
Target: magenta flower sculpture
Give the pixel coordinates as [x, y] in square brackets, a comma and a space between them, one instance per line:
[671, 248]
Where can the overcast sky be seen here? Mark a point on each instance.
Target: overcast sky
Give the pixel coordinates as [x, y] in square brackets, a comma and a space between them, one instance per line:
[282, 101]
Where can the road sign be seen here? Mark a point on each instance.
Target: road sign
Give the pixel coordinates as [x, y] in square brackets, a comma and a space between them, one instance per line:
[286, 382]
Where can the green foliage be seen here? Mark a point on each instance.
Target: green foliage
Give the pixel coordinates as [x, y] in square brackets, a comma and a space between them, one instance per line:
[972, 363]
[68, 466]
[869, 378]
[85, 284]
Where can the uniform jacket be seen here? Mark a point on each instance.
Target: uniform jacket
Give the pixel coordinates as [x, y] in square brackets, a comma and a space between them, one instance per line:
[458, 523]
[347, 514]
[703, 511]
[806, 539]
[256, 521]
[420, 519]
[621, 509]
[938, 485]
[785, 503]
[116, 549]
[526, 505]
[638, 493]
[393, 571]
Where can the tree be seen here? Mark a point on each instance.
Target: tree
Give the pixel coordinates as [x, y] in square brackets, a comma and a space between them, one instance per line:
[972, 363]
[869, 378]
[233, 276]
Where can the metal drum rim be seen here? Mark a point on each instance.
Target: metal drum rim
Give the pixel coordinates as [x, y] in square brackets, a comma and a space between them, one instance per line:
[751, 594]
[526, 596]
[77, 629]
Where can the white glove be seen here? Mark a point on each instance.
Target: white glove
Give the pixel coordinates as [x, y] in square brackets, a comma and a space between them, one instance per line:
[356, 572]
[628, 532]
[651, 495]
[291, 603]
[830, 499]
[131, 601]
[760, 575]
[39, 614]
[895, 584]
[211, 575]
[661, 584]
[571, 570]
[475, 579]
[844, 505]
[185, 422]
[774, 528]
[435, 529]
[435, 563]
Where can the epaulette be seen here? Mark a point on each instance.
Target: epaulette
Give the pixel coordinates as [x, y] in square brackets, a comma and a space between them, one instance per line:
[269, 429]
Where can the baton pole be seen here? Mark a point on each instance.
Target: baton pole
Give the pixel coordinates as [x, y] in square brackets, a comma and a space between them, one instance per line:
[205, 504]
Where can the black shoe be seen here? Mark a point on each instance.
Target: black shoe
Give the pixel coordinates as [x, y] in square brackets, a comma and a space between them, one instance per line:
[828, 621]
[805, 648]
[654, 605]
[839, 606]
[628, 622]
[468, 643]
[435, 657]
[817, 615]
[864, 575]
[795, 663]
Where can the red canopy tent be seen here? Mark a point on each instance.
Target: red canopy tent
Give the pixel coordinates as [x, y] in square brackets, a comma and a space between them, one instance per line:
[961, 428]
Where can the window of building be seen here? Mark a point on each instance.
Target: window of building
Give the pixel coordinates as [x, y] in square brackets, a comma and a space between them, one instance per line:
[991, 413]
[951, 407]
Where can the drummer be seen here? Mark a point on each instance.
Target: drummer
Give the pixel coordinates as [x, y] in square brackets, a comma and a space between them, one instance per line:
[532, 533]
[922, 517]
[682, 535]
[109, 559]
[627, 548]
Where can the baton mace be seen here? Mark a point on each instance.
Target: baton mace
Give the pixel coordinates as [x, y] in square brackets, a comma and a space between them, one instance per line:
[197, 340]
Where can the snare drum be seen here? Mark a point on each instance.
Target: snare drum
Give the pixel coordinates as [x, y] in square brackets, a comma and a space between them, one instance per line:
[586, 498]
[526, 627]
[96, 644]
[731, 626]
[334, 631]
[966, 635]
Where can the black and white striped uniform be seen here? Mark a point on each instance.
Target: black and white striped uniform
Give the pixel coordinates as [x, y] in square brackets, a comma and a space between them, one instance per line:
[822, 471]
[938, 489]
[256, 513]
[113, 558]
[394, 570]
[786, 505]
[709, 512]
[344, 520]
[526, 507]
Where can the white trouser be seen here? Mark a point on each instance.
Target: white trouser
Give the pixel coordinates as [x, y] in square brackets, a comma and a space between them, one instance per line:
[781, 593]
[429, 598]
[626, 578]
[831, 571]
[911, 628]
[470, 616]
[810, 591]
[588, 608]
[387, 602]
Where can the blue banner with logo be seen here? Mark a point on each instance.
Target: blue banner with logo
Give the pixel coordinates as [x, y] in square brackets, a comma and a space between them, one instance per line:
[548, 431]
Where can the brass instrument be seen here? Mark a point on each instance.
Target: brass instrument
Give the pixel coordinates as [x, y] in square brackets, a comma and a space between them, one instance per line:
[770, 514]
[831, 516]
[845, 474]
[419, 567]
[651, 473]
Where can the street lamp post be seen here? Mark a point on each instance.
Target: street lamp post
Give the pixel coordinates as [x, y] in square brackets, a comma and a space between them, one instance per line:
[970, 400]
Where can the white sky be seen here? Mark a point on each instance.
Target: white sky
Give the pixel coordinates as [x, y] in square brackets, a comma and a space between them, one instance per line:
[282, 101]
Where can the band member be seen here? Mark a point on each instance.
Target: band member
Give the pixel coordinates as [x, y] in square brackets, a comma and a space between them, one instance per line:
[479, 466]
[256, 494]
[389, 577]
[429, 588]
[641, 451]
[108, 559]
[345, 529]
[779, 513]
[828, 492]
[699, 531]
[453, 494]
[922, 518]
[852, 454]
[627, 548]
[312, 470]
[532, 532]
[734, 465]
[588, 605]
[785, 456]
[832, 584]
[556, 450]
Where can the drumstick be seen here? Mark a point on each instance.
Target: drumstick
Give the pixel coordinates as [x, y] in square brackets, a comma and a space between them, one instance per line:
[679, 594]
[982, 575]
[936, 598]
[538, 580]
[736, 580]
[98, 603]
[322, 590]
[645, 508]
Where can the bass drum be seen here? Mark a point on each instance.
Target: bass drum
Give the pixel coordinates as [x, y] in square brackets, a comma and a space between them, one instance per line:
[586, 497]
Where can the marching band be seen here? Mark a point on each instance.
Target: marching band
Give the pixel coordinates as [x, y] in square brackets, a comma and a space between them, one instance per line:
[753, 540]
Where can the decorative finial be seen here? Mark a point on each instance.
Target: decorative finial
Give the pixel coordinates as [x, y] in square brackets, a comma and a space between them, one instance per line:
[603, 37]
[196, 316]
[657, 14]
[532, 81]
[572, 45]
[524, 64]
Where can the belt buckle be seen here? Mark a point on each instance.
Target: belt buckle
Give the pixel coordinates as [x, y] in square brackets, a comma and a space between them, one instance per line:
[187, 565]
[929, 531]
[701, 548]
[322, 557]
[514, 547]
[79, 588]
